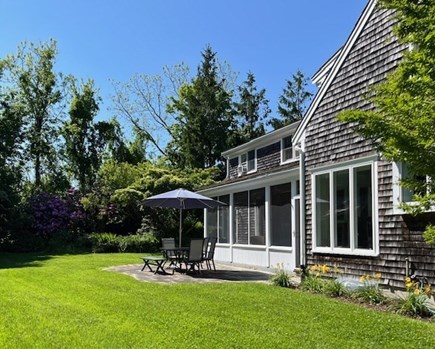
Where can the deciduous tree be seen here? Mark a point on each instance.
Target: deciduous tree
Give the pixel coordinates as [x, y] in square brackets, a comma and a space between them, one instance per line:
[402, 126]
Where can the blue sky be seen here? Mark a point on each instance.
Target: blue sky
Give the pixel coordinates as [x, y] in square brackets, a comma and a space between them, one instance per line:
[108, 39]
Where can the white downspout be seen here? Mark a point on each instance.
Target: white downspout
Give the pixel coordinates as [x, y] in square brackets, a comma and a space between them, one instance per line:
[301, 151]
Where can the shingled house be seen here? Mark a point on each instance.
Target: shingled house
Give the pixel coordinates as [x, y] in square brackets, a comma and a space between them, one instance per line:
[315, 192]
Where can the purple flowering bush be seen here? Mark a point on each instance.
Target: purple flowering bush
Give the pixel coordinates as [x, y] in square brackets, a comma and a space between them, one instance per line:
[50, 214]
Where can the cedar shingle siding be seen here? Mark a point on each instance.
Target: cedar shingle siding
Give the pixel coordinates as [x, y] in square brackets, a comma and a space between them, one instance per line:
[268, 157]
[375, 53]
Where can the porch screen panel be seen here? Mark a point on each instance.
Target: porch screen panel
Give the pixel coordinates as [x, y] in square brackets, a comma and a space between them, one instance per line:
[240, 221]
[323, 238]
[280, 215]
[363, 207]
[224, 220]
[212, 222]
[257, 218]
[341, 209]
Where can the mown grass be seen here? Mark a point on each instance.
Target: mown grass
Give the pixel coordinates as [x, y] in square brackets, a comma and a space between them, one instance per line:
[70, 302]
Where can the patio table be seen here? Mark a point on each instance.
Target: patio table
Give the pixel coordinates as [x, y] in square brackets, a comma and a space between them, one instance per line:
[177, 253]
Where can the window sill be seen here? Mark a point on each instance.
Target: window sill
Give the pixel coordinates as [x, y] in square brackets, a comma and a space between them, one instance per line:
[345, 252]
[281, 248]
[253, 247]
[289, 161]
[397, 210]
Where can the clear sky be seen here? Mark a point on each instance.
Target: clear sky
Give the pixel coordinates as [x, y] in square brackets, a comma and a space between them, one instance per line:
[109, 39]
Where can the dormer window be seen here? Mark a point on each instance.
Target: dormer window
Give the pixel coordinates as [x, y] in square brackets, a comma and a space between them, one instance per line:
[249, 161]
[286, 149]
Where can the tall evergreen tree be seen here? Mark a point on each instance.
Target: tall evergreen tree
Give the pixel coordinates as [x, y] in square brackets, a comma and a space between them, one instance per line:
[204, 117]
[252, 110]
[293, 101]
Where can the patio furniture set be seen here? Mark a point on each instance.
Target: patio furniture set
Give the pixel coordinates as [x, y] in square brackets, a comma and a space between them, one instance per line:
[200, 252]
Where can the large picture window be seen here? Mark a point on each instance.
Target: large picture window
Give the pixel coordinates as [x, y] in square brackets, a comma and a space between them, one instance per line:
[343, 209]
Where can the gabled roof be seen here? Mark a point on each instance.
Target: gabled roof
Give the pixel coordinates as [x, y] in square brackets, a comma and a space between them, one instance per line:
[329, 70]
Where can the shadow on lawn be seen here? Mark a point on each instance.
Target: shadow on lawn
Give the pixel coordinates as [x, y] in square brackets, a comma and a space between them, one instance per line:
[22, 260]
[10, 260]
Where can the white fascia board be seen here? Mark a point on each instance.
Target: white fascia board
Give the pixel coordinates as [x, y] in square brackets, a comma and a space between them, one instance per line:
[338, 62]
[252, 183]
[262, 141]
[319, 77]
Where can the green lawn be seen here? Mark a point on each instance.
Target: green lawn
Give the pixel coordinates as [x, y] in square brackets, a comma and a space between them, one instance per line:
[70, 302]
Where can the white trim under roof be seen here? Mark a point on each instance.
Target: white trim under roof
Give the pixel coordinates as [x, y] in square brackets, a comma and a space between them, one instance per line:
[322, 73]
[252, 183]
[338, 62]
[262, 141]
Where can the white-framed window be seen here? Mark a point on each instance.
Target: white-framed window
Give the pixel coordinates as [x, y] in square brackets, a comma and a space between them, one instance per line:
[344, 209]
[249, 161]
[286, 149]
[400, 193]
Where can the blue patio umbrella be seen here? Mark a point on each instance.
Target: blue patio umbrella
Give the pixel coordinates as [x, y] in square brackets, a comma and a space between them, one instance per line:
[181, 199]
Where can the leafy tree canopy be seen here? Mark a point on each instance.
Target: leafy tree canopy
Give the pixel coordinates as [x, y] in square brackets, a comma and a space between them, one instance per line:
[402, 126]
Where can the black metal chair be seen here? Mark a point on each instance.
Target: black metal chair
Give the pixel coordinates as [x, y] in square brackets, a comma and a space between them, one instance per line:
[210, 254]
[195, 256]
[205, 247]
[171, 256]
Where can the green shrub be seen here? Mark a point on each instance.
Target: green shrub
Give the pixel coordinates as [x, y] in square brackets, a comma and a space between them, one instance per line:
[281, 277]
[416, 302]
[415, 305]
[140, 243]
[369, 294]
[104, 242]
[109, 242]
[335, 288]
[313, 283]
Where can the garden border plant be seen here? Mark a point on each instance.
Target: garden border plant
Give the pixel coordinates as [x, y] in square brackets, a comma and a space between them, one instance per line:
[322, 279]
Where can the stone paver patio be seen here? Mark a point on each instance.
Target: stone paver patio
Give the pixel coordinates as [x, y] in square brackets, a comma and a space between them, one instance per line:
[225, 272]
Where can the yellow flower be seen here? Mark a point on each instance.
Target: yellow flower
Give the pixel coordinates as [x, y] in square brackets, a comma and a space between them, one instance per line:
[417, 291]
[378, 276]
[409, 285]
[325, 269]
[428, 290]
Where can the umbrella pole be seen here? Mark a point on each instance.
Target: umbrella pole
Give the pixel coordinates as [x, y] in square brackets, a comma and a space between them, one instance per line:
[181, 227]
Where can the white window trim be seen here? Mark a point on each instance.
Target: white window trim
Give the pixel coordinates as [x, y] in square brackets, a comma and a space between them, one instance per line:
[398, 190]
[352, 250]
[247, 161]
[293, 158]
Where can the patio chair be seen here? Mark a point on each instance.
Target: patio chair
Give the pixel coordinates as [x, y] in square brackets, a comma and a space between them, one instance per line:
[205, 247]
[210, 254]
[195, 256]
[171, 256]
